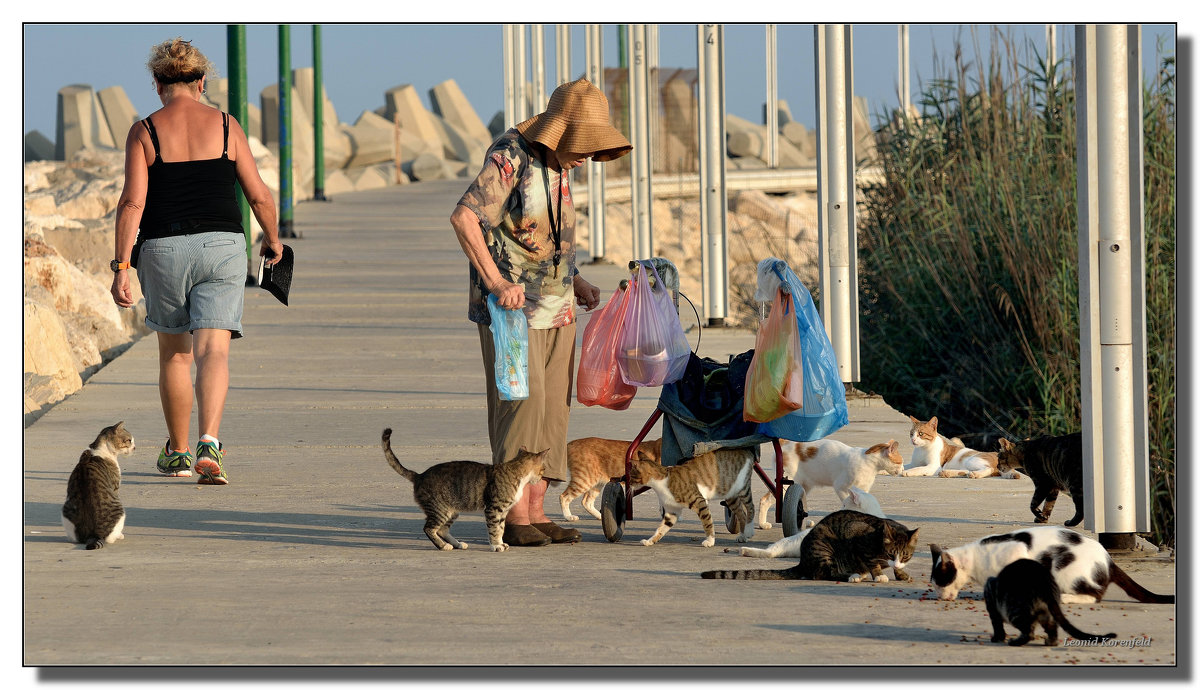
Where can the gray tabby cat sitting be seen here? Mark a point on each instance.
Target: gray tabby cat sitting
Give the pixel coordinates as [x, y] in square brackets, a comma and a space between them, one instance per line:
[450, 488]
[93, 514]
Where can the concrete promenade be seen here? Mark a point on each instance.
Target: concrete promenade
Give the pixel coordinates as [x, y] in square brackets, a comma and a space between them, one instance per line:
[314, 554]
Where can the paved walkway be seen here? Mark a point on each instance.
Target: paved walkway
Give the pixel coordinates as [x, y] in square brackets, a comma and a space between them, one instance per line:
[314, 553]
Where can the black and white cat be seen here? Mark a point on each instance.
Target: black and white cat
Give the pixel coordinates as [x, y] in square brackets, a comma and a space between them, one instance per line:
[1080, 565]
[93, 514]
[1025, 594]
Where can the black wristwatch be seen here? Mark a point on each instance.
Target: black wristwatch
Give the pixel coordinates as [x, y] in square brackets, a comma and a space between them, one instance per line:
[117, 266]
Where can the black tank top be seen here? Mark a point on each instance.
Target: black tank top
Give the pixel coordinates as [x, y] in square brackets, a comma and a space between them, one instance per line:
[188, 197]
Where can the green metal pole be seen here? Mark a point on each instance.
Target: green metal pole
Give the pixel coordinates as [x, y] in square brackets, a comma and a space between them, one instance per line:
[285, 132]
[235, 49]
[318, 119]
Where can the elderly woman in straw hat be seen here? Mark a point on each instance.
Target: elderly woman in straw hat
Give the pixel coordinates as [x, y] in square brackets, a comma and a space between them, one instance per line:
[516, 224]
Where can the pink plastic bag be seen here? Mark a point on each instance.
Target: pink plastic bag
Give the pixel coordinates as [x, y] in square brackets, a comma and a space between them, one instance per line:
[653, 349]
[598, 380]
[775, 379]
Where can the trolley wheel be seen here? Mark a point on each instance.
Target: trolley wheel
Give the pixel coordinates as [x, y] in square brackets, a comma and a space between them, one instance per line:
[733, 521]
[793, 510]
[612, 511]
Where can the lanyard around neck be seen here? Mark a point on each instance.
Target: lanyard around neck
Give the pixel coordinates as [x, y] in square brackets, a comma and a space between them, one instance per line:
[555, 224]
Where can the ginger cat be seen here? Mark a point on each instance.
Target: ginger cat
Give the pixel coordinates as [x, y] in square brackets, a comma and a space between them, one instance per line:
[593, 462]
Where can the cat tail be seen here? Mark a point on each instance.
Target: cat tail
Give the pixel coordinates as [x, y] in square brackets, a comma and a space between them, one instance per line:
[747, 574]
[1119, 578]
[393, 460]
[1056, 611]
[94, 543]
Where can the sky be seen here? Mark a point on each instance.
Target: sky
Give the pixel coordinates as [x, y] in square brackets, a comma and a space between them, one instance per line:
[362, 61]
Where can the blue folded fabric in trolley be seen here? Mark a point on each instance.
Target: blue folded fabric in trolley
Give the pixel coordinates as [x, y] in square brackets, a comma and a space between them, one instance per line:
[703, 410]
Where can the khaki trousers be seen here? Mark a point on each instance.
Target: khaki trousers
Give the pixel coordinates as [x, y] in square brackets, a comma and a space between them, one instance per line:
[540, 421]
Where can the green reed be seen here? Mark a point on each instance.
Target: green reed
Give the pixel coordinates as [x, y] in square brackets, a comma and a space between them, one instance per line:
[968, 257]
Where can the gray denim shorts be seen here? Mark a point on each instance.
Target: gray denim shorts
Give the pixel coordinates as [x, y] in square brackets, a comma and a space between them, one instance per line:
[194, 281]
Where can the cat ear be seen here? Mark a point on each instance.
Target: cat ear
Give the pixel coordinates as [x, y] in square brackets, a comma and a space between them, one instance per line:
[914, 419]
[119, 425]
[893, 445]
[935, 551]
[933, 422]
[912, 538]
[1005, 444]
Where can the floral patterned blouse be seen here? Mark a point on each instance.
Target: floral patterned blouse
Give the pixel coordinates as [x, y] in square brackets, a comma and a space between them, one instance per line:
[517, 200]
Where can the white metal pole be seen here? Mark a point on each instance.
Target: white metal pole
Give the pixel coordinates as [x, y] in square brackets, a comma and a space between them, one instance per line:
[1112, 301]
[835, 195]
[510, 79]
[595, 74]
[520, 93]
[772, 119]
[1051, 44]
[537, 47]
[904, 87]
[562, 53]
[639, 128]
[713, 200]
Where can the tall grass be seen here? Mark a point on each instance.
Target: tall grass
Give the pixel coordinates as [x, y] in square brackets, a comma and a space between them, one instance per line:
[968, 257]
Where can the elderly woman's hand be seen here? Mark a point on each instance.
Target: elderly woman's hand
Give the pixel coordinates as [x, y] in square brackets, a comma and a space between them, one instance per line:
[508, 295]
[586, 294]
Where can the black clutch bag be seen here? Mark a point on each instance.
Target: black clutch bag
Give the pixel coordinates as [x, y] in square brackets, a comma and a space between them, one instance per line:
[277, 279]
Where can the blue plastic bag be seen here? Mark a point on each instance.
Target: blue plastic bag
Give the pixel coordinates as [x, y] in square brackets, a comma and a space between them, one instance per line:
[510, 342]
[824, 410]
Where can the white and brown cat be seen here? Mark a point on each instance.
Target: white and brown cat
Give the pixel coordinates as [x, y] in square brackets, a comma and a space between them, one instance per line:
[829, 462]
[92, 514]
[593, 462]
[935, 455]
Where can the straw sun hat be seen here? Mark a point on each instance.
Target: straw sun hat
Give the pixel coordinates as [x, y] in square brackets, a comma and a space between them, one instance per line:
[576, 121]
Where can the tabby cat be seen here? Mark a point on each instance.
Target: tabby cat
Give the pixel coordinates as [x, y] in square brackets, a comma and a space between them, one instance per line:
[935, 455]
[593, 462]
[846, 546]
[1025, 594]
[791, 547]
[93, 514]
[449, 488]
[828, 462]
[1080, 565]
[1054, 463]
[723, 475]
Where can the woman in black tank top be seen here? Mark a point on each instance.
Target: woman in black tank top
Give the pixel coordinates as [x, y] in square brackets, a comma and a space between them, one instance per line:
[182, 167]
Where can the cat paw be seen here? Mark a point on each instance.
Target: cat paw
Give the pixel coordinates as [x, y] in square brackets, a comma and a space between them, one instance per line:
[742, 539]
[708, 541]
[764, 525]
[881, 578]
[999, 638]
[446, 547]
[462, 545]
[496, 548]
[647, 542]
[854, 578]
[571, 518]
[1040, 519]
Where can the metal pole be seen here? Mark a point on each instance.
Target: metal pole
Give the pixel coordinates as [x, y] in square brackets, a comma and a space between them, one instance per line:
[772, 119]
[318, 119]
[1051, 47]
[1112, 290]
[235, 49]
[713, 200]
[520, 93]
[639, 178]
[506, 42]
[285, 131]
[835, 194]
[562, 53]
[538, 48]
[595, 74]
[905, 88]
